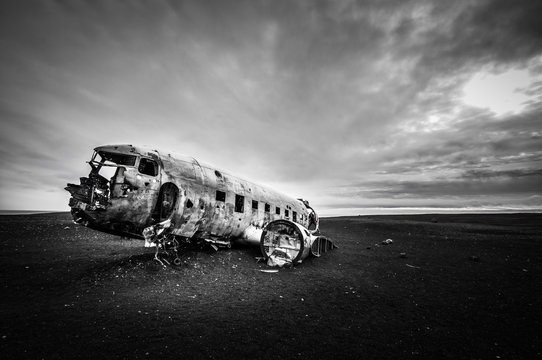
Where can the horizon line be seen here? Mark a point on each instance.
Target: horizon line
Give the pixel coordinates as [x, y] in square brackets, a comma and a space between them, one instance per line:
[359, 211]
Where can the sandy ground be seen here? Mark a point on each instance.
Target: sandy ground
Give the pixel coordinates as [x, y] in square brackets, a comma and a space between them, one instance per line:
[467, 287]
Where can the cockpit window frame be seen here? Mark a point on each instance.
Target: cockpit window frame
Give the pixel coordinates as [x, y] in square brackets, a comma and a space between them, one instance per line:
[107, 161]
[153, 161]
[110, 158]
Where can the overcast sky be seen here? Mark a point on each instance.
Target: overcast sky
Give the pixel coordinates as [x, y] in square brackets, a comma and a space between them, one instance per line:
[358, 106]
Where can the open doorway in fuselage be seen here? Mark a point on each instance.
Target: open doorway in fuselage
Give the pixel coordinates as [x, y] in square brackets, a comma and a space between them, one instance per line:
[167, 199]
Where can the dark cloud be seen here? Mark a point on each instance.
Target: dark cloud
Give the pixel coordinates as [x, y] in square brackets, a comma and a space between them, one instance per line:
[500, 29]
[467, 183]
[529, 185]
[479, 33]
[486, 174]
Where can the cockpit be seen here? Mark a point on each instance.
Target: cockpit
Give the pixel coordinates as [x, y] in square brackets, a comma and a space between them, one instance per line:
[116, 172]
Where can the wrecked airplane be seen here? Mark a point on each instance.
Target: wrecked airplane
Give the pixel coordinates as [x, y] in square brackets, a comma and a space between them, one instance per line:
[173, 201]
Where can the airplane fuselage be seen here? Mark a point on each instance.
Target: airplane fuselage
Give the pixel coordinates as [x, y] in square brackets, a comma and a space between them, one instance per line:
[131, 188]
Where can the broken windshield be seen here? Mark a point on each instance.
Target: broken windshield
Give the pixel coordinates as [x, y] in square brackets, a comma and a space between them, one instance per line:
[119, 159]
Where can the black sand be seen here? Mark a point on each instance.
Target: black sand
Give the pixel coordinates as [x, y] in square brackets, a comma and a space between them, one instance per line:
[466, 287]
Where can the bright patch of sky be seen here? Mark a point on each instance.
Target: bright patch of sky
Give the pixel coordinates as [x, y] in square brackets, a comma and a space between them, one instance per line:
[502, 93]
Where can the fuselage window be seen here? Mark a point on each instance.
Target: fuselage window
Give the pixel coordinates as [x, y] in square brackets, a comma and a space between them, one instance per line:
[277, 210]
[254, 204]
[148, 167]
[267, 208]
[220, 195]
[286, 213]
[294, 216]
[239, 203]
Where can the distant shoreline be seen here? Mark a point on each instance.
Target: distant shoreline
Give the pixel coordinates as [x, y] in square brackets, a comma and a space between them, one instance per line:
[29, 212]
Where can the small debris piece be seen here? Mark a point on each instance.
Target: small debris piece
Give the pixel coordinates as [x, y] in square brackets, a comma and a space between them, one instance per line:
[412, 266]
[475, 258]
[402, 255]
[269, 270]
[67, 227]
[279, 258]
[387, 242]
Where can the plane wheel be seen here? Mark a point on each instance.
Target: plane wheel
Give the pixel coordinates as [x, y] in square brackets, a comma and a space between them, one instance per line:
[177, 262]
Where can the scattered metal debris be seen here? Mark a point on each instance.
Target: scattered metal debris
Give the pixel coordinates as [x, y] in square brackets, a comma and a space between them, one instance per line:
[387, 242]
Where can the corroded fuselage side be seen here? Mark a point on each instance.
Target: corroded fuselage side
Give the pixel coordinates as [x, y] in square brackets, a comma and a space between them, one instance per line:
[148, 187]
[215, 204]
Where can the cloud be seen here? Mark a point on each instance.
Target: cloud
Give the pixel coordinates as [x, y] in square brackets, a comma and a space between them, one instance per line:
[305, 96]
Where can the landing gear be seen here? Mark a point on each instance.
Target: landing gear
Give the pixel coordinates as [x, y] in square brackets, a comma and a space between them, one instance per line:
[175, 244]
[164, 244]
[157, 258]
[157, 236]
